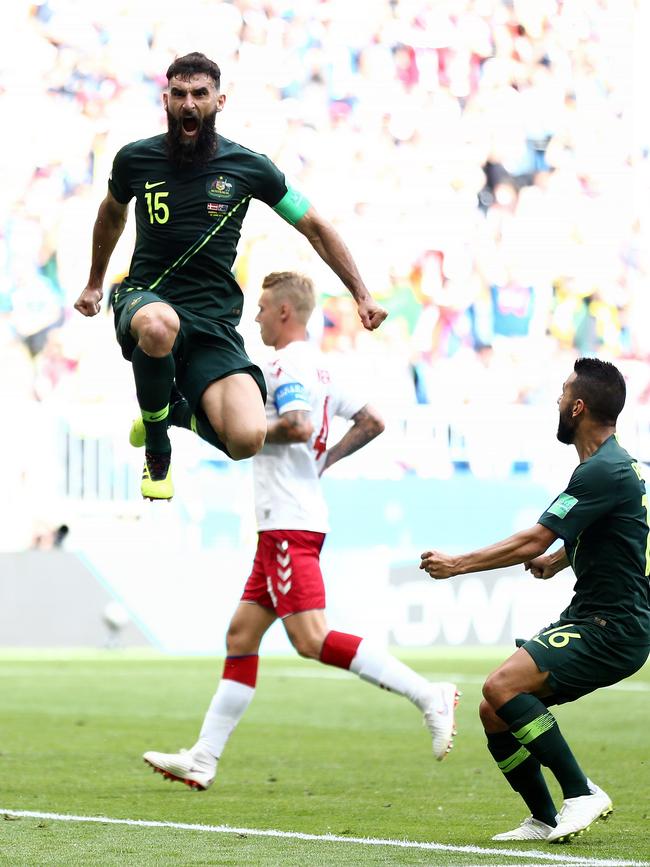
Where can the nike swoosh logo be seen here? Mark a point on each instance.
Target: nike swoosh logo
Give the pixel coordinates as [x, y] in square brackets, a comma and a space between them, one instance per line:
[149, 186]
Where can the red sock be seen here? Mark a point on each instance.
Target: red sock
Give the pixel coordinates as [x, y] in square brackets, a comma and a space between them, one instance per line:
[339, 649]
[243, 669]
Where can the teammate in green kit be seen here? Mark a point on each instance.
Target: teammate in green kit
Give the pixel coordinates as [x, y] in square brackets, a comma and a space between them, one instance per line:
[177, 309]
[604, 634]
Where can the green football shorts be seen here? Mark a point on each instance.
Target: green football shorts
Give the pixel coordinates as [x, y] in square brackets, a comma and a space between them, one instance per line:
[205, 350]
[582, 656]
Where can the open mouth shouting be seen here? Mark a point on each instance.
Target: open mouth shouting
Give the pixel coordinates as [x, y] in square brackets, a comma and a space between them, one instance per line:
[190, 124]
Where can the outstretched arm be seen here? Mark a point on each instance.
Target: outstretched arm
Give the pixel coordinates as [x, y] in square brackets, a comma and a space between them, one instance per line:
[329, 245]
[520, 548]
[109, 225]
[366, 425]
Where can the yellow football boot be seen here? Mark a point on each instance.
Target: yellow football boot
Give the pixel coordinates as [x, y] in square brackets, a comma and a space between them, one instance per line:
[137, 433]
[157, 477]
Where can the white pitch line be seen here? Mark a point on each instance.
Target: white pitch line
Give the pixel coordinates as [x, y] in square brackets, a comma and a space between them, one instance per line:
[333, 838]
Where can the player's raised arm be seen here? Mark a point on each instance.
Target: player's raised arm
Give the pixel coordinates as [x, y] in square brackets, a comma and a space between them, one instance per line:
[329, 245]
[109, 225]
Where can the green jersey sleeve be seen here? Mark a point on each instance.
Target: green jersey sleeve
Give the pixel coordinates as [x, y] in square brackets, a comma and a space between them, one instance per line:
[271, 187]
[118, 181]
[587, 497]
[267, 181]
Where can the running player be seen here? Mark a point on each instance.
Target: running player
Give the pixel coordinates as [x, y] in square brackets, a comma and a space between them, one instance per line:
[604, 634]
[177, 309]
[286, 581]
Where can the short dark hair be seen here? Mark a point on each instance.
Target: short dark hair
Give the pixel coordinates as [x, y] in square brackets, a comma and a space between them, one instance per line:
[192, 64]
[602, 388]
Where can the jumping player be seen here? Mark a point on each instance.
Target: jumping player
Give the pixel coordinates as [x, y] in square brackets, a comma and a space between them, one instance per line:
[177, 309]
[286, 581]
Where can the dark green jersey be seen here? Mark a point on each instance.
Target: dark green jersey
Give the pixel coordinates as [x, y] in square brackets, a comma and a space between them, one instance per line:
[603, 518]
[188, 221]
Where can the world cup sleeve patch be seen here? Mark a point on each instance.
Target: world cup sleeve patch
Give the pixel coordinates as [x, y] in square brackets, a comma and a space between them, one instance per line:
[291, 396]
[562, 506]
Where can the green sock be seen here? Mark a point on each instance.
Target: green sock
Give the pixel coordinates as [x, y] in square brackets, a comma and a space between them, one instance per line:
[153, 383]
[180, 414]
[524, 774]
[536, 729]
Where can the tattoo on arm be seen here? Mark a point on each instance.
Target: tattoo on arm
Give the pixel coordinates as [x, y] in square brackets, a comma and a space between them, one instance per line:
[292, 427]
[366, 425]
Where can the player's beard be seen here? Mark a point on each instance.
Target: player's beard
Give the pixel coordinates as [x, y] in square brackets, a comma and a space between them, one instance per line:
[184, 153]
[566, 429]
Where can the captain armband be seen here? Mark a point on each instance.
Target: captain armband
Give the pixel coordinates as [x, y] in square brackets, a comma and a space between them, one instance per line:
[291, 396]
[292, 206]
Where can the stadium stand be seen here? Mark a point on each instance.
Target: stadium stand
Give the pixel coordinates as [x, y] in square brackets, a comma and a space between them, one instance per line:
[487, 161]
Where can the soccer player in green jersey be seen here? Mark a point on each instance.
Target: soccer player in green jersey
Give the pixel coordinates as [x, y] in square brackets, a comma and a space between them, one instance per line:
[603, 635]
[177, 309]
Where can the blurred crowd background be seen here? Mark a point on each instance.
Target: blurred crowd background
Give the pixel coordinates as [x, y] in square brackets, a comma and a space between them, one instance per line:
[487, 162]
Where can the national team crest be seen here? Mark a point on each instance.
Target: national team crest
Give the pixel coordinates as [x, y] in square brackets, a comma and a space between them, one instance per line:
[221, 188]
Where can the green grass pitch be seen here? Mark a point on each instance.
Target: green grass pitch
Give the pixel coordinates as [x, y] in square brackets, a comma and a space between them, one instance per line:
[318, 752]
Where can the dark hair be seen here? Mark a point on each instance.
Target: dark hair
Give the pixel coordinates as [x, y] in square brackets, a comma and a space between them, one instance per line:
[193, 63]
[602, 388]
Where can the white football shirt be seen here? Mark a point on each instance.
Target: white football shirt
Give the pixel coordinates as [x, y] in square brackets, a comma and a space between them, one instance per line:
[288, 494]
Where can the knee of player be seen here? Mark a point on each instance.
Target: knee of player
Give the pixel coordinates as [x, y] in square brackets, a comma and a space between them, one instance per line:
[493, 689]
[238, 643]
[157, 332]
[486, 712]
[246, 444]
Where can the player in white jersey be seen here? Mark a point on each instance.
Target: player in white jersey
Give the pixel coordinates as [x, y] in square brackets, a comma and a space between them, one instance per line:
[287, 491]
[286, 580]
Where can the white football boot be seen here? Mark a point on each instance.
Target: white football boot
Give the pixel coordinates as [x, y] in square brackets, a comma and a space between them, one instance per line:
[195, 768]
[530, 829]
[439, 717]
[577, 814]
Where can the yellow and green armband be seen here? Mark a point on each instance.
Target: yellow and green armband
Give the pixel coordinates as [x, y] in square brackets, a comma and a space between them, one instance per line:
[292, 206]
